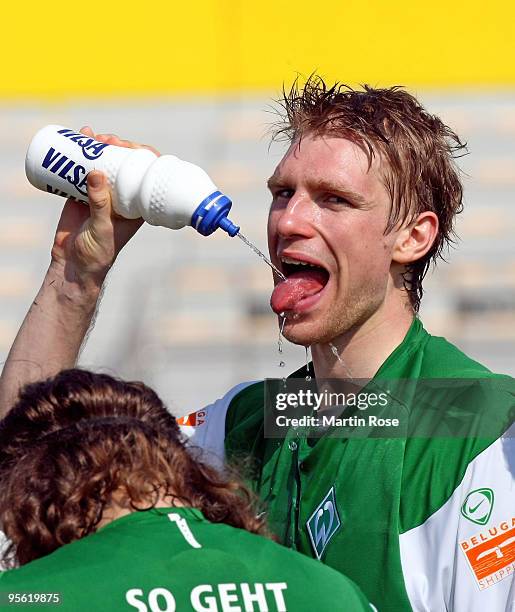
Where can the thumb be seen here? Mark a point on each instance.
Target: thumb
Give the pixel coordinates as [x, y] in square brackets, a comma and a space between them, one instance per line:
[99, 195]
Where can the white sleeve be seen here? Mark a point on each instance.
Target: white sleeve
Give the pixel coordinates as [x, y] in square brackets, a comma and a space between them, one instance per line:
[3, 545]
[205, 429]
[462, 558]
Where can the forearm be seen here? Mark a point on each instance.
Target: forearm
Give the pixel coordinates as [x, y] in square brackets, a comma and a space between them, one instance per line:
[86, 244]
[52, 333]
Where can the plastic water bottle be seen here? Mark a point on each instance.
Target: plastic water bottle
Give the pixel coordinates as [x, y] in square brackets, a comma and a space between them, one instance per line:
[163, 190]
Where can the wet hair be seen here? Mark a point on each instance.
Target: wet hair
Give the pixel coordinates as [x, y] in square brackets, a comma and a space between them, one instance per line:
[417, 148]
[79, 441]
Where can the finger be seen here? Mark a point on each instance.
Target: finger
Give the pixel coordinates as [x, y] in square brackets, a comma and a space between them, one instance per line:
[87, 131]
[155, 151]
[113, 139]
[73, 215]
[99, 195]
[105, 137]
[128, 144]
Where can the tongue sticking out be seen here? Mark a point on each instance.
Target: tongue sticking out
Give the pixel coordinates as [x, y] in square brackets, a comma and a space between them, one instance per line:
[295, 288]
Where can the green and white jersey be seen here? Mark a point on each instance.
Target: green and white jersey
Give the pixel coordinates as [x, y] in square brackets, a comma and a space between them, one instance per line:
[418, 522]
[164, 560]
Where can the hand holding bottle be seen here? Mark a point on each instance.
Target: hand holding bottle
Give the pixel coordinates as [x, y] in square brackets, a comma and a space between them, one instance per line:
[87, 242]
[164, 190]
[88, 239]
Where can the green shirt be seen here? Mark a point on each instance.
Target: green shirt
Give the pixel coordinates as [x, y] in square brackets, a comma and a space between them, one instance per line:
[396, 514]
[174, 559]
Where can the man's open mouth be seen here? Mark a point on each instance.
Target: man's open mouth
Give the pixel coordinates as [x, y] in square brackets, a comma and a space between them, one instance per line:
[304, 278]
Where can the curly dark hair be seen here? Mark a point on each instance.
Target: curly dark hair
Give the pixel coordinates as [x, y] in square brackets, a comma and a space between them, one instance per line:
[75, 443]
[420, 173]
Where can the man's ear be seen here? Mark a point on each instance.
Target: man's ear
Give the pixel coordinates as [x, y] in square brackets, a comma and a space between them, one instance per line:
[415, 240]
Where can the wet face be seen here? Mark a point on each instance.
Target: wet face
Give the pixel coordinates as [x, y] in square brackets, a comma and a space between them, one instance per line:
[326, 234]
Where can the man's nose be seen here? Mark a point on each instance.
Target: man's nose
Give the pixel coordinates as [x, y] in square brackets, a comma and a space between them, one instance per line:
[296, 219]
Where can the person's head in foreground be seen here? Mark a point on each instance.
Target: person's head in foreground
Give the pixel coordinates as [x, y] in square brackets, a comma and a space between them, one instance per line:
[104, 505]
[81, 449]
[367, 195]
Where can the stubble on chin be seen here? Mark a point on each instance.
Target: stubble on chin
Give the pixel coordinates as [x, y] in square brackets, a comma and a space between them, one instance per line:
[343, 319]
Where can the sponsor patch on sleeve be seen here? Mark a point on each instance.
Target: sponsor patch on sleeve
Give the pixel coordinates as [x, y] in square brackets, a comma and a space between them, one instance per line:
[490, 553]
[195, 419]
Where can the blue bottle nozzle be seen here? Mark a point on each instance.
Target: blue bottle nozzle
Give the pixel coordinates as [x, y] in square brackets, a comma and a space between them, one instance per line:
[212, 214]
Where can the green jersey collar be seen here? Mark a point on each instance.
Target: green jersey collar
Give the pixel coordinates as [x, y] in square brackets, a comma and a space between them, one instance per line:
[401, 358]
[145, 515]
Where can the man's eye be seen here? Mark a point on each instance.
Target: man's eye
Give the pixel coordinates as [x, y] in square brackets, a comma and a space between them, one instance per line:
[336, 199]
[284, 193]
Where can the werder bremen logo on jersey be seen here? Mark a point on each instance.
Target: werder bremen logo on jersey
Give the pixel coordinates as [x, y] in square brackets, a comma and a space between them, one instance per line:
[323, 523]
[478, 506]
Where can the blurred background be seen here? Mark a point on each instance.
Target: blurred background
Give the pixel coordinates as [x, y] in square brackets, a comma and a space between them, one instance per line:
[188, 314]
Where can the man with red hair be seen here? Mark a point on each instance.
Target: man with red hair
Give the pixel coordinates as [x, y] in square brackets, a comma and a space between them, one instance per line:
[363, 201]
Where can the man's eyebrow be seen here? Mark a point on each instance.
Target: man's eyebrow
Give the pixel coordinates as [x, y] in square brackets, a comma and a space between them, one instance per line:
[332, 187]
[322, 184]
[274, 181]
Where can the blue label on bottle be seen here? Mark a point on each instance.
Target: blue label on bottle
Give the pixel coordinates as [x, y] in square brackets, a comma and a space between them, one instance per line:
[60, 165]
[91, 148]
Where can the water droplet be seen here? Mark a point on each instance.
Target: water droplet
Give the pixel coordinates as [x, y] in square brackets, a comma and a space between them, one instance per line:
[308, 377]
[280, 339]
[335, 352]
